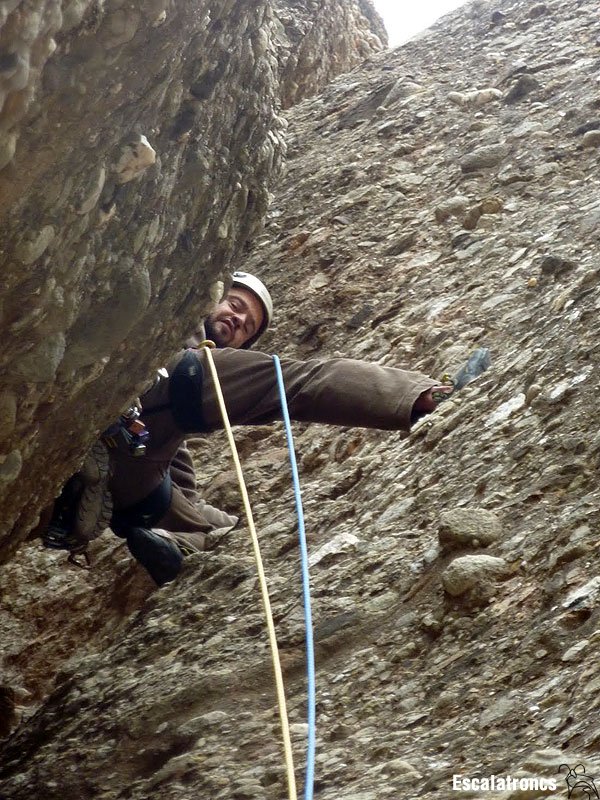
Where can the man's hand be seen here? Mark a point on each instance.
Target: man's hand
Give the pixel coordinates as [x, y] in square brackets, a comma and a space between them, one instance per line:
[427, 401]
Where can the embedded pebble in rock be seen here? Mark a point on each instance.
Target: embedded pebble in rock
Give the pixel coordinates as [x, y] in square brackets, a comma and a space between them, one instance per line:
[484, 158]
[586, 595]
[94, 194]
[33, 247]
[475, 574]
[505, 410]
[491, 205]
[135, 159]
[476, 98]
[400, 767]
[8, 414]
[41, 363]
[591, 139]
[522, 87]
[454, 206]
[555, 265]
[10, 466]
[575, 653]
[8, 145]
[472, 218]
[470, 527]
[538, 10]
[366, 256]
[342, 543]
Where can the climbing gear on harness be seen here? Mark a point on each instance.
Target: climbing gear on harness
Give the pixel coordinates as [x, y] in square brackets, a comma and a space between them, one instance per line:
[285, 728]
[83, 509]
[130, 430]
[244, 280]
[310, 658]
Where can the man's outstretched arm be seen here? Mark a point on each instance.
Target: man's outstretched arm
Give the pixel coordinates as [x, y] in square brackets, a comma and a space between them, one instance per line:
[337, 391]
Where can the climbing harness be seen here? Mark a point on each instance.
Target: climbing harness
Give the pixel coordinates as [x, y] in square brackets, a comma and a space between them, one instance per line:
[285, 728]
[84, 507]
[310, 657]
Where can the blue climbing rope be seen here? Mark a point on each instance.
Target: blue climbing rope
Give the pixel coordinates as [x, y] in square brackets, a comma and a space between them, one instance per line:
[310, 654]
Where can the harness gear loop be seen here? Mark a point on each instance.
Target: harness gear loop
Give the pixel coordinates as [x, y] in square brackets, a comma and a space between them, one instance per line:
[285, 728]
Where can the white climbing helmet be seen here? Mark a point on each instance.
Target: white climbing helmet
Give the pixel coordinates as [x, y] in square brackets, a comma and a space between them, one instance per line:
[244, 280]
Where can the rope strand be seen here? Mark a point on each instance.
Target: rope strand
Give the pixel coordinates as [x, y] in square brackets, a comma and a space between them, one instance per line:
[310, 656]
[285, 728]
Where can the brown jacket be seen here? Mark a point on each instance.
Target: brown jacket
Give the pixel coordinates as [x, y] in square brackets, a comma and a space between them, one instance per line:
[337, 391]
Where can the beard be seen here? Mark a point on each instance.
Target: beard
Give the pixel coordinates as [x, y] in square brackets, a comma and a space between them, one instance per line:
[213, 333]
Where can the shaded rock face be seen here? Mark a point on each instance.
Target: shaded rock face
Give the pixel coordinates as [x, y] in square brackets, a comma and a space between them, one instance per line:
[379, 244]
[137, 146]
[136, 177]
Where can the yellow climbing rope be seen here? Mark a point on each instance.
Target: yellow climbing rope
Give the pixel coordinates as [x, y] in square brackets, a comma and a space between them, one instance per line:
[285, 728]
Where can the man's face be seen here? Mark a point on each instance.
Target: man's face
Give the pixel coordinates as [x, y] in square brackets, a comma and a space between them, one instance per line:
[236, 319]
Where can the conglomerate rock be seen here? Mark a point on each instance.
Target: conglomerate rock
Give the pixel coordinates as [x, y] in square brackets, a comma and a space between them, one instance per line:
[141, 165]
[379, 244]
[137, 146]
[322, 39]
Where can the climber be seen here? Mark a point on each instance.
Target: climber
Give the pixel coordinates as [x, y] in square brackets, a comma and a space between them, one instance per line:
[239, 320]
[156, 506]
[162, 525]
[83, 509]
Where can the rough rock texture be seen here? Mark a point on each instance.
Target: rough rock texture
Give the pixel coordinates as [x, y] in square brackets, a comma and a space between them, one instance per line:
[477, 573]
[468, 527]
[132, 158]
[373, 248]
[322, 39]
[137, 146]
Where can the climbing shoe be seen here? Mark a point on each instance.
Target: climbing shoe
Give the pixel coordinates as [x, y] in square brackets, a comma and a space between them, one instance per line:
[161, 557]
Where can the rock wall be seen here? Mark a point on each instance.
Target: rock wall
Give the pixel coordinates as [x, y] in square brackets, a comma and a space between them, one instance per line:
[320, 40]
[440, 199]
[137, 146]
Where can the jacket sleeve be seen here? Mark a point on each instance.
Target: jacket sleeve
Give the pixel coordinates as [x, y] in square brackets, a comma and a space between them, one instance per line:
[338, 391]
